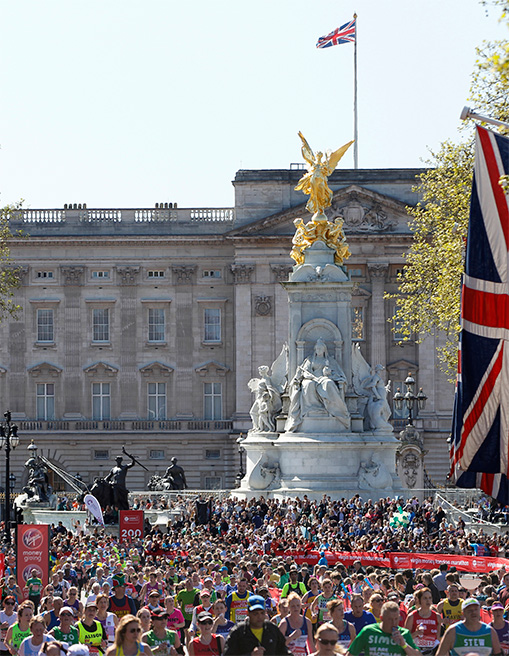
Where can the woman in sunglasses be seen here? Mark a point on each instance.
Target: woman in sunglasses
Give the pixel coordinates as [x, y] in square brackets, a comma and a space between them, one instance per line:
[327, 641]
[207, 643]
[7, 618]
[128, 639]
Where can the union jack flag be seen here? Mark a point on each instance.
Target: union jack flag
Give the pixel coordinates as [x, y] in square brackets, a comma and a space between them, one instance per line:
[480, 434]
[343, 34]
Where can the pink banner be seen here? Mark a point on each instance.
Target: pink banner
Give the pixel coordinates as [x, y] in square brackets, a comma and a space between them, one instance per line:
[397, 560]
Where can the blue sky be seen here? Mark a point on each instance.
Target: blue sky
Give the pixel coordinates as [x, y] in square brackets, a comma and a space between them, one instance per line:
[124, 103]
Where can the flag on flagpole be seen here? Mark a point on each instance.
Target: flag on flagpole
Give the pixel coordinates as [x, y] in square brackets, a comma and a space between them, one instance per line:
[480, 434]
[343, 34]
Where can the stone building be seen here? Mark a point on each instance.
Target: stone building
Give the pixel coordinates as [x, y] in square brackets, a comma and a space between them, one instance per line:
[143, 326]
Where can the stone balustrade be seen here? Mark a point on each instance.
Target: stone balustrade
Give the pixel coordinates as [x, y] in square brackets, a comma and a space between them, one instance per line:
[83, 215]
[129, 425]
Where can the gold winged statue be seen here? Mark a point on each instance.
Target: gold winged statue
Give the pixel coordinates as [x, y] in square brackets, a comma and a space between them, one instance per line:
[314, 184]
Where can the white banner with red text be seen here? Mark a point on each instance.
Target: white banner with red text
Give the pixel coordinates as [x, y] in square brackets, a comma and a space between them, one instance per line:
[400, 560]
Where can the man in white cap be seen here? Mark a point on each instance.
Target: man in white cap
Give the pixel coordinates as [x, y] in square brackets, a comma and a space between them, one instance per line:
[470, 635]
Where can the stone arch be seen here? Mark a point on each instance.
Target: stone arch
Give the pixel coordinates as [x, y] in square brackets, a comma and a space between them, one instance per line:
[311, 331]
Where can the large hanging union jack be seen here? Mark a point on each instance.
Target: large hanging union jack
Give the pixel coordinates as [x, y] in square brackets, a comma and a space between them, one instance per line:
[343, 34]
[480, 436]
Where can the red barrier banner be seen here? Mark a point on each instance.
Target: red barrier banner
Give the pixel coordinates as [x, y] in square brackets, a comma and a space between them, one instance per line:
[401, 560]
[2, 565]
[131, 525]
[32, 553]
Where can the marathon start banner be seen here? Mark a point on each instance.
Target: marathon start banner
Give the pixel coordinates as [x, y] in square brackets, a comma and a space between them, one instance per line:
[131, 525]
[32, 553]
[400, 560]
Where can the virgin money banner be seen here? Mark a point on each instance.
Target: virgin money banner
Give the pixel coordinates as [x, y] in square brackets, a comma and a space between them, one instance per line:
[462, 563]
[32, 553]
[397, 560]
[131, 525]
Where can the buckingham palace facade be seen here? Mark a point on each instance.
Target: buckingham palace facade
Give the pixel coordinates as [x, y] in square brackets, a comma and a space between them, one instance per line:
[142, 327]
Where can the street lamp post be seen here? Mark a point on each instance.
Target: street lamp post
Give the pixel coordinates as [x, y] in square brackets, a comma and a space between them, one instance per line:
[10, 440]
[411, 401]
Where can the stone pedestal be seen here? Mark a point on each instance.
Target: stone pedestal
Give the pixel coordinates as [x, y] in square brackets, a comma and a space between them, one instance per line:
[323, 447]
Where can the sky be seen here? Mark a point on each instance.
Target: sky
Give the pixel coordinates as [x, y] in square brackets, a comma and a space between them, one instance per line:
[125, 103]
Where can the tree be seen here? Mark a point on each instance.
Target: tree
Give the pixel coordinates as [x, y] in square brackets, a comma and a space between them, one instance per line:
[428, 298]
[9, 273]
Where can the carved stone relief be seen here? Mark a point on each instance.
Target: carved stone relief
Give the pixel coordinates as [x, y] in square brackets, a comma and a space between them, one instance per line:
[361, 217]
[263, 305]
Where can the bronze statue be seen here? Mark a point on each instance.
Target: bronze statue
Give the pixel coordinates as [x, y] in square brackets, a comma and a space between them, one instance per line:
[37, 487]
[176, 476]
[117, 480]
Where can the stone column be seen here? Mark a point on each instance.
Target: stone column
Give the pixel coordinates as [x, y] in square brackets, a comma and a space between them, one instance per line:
[75, 404]
[377, 273]
[243, 339]
[183, 277]
[281, 274]
[17, 394]
[128, 403]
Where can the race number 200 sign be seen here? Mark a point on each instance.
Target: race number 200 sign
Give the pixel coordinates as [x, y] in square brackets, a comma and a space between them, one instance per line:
[131, 525]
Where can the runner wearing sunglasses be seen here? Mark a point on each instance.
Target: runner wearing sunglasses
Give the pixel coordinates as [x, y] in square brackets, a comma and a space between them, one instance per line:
[127, 639]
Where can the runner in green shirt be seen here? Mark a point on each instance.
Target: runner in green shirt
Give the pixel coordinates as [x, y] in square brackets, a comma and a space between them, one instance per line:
[65, 631]
[34, 587]
[162, 641]
[386, 638]
[187, 599]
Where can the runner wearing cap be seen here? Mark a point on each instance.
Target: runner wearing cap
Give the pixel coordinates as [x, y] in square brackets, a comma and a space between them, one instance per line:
[293, 585]
[206, 605]
[208, 643]
[65, 631]
[120, 603]
[256, 635]
[500, 625]
[470, 635]
[161, 640]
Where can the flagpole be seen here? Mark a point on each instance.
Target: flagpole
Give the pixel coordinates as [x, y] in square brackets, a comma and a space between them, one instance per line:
[355, 133]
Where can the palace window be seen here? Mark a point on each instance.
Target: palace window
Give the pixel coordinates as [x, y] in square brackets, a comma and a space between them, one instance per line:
[156, 273]
[45, 274]
[212, 325]
[213, 400]
[45, 331]
[100, 275]
[156, 400]
[101, 401]
[101, 325]
[45, 401]
[211, 273]
[156, 325]
[213, 482]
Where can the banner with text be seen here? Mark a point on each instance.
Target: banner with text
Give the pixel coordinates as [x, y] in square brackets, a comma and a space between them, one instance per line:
[398, 560]
[131, 525]
[32, 553]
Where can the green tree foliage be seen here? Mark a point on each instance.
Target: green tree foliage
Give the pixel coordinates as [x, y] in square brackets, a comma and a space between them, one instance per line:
[428, 298]
[9, 273]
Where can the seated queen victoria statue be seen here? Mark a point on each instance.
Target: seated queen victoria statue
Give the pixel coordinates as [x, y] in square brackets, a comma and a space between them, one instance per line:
[318, 389]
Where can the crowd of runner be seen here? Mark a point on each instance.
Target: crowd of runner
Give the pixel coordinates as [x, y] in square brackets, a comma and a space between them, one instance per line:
[211, 583]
